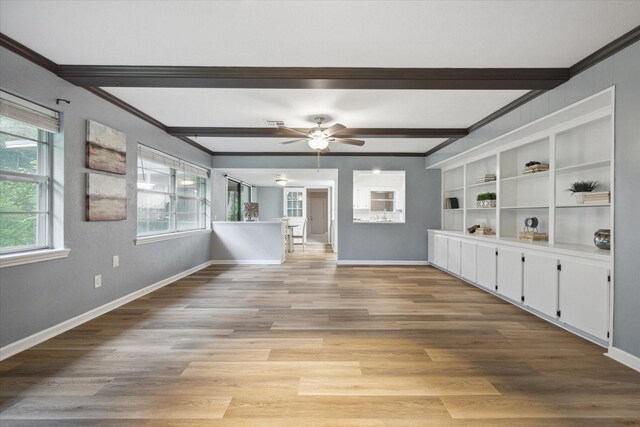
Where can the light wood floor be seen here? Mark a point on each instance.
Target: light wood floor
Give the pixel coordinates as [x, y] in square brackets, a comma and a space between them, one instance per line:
[311, 344]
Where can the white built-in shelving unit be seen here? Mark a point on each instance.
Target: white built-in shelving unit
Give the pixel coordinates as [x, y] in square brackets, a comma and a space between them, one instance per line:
[577, 143]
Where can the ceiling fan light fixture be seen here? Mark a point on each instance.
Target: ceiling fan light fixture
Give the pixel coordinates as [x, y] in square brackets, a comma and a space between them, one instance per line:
[282, 181]
[318, 143]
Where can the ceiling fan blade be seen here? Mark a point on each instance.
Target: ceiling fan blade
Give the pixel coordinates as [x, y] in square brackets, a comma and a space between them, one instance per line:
[348, 141]
[294, 130]
[334, 129]
[293, 141]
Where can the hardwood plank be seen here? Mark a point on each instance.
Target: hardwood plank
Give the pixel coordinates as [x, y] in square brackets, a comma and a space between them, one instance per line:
[114, 407]
[542, 406]
[53, 386]
[270, 369]
[394, 386]
[309, 343]
[337, 407]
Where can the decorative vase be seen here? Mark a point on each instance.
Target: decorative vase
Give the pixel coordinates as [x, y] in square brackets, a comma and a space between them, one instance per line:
[602, 238]
[580, 197]
[486, 203]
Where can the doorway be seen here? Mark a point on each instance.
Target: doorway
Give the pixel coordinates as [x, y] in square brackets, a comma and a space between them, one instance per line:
[318, 215]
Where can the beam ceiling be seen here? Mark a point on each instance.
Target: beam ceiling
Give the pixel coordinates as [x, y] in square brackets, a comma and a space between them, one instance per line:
[255, 132]
[314, 78]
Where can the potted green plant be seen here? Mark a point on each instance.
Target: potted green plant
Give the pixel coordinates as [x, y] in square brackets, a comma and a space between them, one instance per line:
[486, 200]
[579, 188]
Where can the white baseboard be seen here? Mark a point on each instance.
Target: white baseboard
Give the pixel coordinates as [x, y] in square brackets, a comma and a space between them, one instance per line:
[379, 262]
[623, 357]
[28, 342]
[246, 262]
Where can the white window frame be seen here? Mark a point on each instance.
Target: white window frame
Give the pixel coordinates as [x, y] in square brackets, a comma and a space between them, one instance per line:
[48, 124]
[176, 166]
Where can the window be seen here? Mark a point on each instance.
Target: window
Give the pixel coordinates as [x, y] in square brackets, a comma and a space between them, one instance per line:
[172, 194]
[26, 137]
[294, 203]
[379, 196]
[238, 193]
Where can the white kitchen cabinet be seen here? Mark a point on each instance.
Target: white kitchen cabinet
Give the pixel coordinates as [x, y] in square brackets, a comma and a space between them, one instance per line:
[431, 247]
[453, 256]
[441, 251]
[363, 198]
[540, 283]
[468, 261]
[510, 274]
[584, 297]
[486, 266]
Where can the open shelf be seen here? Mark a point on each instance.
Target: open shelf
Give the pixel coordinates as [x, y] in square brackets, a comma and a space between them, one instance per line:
[524, 207]
[584, 166]
[577, 145]
[586, 205]
[533, 175]
[481, 184]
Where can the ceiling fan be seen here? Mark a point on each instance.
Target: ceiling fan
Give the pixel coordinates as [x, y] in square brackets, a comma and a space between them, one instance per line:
[319, 138]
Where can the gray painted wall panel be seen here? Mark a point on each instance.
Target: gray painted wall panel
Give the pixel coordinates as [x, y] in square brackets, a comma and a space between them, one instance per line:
[270, 201]
[37, 296]
[390, 242]
[248, 241]
[623, 71]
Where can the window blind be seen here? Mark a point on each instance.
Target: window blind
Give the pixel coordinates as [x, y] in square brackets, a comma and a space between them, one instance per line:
[159, 157]
[27, 112]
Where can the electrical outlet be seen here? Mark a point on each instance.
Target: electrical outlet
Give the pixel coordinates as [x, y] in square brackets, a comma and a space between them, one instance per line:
[116, 260]
[97, 281]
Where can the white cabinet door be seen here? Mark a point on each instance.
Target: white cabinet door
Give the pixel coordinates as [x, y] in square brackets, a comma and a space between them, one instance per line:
[510, 274]
[541, 283]
[486, 266]
[453, 256]
[363, 197]
[431, 247]
[584, 297]
[468, 261]
[441, 251]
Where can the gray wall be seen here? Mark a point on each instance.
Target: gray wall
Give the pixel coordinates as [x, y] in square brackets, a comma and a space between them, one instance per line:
[218, 196]
[36, 296]
[389, 242]
[248, 241]
[623, 71]
[270, 200]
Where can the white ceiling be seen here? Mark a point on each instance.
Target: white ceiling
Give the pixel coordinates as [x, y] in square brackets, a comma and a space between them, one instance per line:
[296, 177]
[353, 108]
[317, 34]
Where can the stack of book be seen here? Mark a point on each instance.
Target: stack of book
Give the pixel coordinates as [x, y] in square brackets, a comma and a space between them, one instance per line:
[597, 198]
[451, 203]
[484, 231]
[533, 236]
[542, 167]
[487, 177]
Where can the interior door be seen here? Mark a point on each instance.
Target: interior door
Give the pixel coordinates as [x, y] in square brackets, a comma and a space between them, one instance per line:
[317, 215]
[295, 208]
